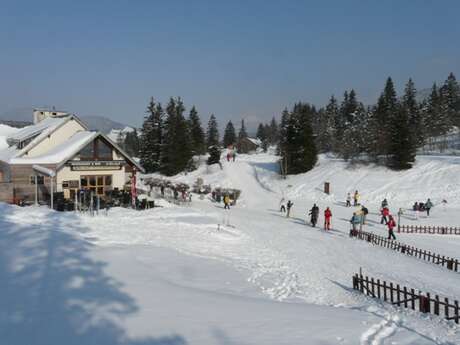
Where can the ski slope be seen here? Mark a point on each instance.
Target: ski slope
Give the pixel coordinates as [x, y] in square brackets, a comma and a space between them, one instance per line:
[204, 275]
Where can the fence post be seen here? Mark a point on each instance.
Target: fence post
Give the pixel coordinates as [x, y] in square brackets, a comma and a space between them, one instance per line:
[423, 303]
[456, 312]
[436, 305]
[450, 264]
[446, 307]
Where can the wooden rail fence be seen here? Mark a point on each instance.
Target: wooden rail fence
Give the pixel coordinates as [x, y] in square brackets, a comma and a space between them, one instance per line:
[449, 263]
[419, 229]
[407, 298]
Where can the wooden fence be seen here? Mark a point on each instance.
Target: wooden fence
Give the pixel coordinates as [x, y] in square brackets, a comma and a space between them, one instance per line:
[419, 229]
[449, 263]
[407, 298]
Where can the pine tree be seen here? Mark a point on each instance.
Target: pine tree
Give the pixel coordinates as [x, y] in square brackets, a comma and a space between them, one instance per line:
[176, 153]
[242, 133]
[214, 154]
[384, 115]
[132, 143]
[332, 114]
[402, 148]
[152, 137]
[196, 133]
[412, 109]
[437, 119]
[262, 135]
[273, 136]
[229, 134]
[450, 98]
[212, 133]
[297, 142]
[283, 128]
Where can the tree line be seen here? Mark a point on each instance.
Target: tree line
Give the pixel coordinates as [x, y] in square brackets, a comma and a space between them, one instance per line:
[387, 133]
[390, 131]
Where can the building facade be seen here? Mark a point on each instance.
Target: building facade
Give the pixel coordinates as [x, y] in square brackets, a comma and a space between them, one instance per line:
[59, 154]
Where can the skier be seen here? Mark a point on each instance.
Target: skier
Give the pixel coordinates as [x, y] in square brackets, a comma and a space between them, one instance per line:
[314, 212]
[356, 198]
[355, 220]
[391, 224]
[384, 203]
[348, 200]
[282, 205]
[226, 202]
[228, 156]
[385, 212]
[416, 208]
[289, 205]
[428, 206]
[234, 155]
[327, 219]
[365, 212]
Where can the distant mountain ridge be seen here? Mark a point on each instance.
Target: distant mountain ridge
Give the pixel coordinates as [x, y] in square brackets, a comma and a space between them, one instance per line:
[23, 116]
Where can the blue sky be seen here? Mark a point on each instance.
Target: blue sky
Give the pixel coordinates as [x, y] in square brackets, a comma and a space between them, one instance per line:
[233, 58]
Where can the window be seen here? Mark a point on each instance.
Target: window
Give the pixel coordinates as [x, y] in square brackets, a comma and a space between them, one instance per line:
[97, 183]
[87, 153]
[96, 150]
[40, 179]
[104, 151]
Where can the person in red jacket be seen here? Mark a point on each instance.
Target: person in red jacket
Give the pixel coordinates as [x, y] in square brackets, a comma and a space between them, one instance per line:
[327, 219]
[391, 224]
[385, 212]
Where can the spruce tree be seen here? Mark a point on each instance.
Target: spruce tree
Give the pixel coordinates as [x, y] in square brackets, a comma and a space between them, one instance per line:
[262, 135]
[196, 133]
[385, 113]
[297, 142]
[132, 143]
[273, 132]
[151, 138]
[229, 135]
[212, 133]
[412, 109]
[450, 98]
[176, 153]
[402, 148]
[242, 133]
[214, 154]
[285, 115]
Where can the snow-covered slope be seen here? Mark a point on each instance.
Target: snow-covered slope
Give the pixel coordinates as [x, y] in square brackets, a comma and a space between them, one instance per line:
[244, 276]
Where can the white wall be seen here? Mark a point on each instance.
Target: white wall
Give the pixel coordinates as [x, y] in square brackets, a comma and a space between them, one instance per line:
[66, 174]
[55, 139]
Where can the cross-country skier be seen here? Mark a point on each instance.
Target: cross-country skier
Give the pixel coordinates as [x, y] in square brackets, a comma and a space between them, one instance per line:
[348, 200]
[314, 213]
[289, 205]
[327, 219]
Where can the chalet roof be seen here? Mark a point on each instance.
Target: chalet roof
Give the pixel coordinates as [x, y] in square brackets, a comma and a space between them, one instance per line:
[60, 154]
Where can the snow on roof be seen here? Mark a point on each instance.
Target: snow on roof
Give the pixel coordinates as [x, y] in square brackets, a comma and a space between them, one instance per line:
[255, 141]
[48, 125]
[59, 153]
[6, 131]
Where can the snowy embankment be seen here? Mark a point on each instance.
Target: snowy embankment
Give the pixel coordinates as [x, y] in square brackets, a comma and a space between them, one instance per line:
[203, 275]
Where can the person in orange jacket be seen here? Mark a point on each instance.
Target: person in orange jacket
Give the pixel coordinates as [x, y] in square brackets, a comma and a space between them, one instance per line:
[327, 219]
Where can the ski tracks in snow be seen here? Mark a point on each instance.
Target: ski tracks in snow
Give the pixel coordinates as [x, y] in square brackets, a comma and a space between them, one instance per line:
[378, 333]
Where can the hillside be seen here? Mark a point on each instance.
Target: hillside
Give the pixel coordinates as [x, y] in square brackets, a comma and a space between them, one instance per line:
[204, 275]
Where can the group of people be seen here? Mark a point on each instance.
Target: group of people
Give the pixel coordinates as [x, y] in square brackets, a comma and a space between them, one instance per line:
[313, 213]
[356, 197]
[421, 207]
[231, 155]
[388, 219]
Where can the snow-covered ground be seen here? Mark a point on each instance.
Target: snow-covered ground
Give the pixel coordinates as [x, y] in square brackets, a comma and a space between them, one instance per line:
[203, 275]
